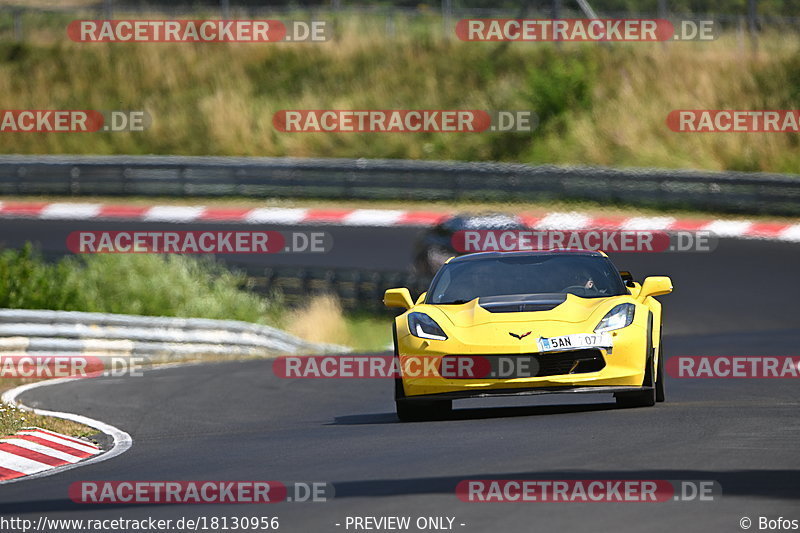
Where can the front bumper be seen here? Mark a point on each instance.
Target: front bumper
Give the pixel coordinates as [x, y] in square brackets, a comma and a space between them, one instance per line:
[488, 393]
[623, 369]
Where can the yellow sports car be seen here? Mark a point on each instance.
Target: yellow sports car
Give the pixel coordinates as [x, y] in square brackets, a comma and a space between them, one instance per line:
[513, 323]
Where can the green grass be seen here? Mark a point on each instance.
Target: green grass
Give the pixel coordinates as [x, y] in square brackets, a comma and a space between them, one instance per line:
[13, 419]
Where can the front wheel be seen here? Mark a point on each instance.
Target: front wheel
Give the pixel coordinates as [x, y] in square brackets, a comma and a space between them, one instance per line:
[649, 396]
[660, 392]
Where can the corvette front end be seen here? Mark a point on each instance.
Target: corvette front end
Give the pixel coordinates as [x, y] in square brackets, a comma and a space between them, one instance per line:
[528, 323]
[612, 358]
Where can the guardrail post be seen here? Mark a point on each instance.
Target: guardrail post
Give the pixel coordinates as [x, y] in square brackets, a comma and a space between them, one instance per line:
[74, 180]
[17, 16]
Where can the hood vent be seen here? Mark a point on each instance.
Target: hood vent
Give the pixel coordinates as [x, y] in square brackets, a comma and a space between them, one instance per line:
[522, 303]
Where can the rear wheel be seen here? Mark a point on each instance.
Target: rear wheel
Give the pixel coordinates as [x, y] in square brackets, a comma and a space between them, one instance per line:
[647, 397]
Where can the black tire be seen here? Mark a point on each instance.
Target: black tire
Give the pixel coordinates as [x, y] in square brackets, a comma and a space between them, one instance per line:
[399, 393]
[418, 410]
[660, 389]
[647, 397]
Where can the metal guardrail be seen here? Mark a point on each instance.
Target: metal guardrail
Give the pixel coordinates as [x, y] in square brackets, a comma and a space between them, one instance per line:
[357, 289]
[381, 179]
[154, 338]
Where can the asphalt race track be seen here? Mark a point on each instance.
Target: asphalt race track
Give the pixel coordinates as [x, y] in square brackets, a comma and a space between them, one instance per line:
[230, 421]
[352, 246]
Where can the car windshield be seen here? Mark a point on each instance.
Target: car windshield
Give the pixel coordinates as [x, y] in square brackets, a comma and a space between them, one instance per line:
[583, 275]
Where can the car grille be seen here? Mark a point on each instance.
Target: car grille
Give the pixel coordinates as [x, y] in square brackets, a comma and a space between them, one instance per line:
[508, 366]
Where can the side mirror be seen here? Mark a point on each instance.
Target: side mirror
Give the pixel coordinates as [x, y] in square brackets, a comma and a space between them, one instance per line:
[655, 286]
[635, 289]
[421, 298]
[627, 277]
[398, 298]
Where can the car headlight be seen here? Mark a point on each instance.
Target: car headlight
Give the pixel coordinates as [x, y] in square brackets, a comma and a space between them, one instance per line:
[422, 326]
[619, 317]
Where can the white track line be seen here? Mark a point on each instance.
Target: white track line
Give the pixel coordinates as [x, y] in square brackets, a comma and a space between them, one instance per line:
[122, 441]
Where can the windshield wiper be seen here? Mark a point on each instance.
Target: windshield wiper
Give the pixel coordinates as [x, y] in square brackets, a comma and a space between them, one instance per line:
[455, 302]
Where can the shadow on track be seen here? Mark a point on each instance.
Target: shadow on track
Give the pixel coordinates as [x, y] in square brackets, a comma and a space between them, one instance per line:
[479, 413]
[777, 484]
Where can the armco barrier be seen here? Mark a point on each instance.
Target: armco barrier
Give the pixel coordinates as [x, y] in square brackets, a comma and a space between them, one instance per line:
[736, 192]
[156, 339]
[357, 290]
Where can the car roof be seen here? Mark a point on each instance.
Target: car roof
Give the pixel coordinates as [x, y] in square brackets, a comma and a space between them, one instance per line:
[527, 253]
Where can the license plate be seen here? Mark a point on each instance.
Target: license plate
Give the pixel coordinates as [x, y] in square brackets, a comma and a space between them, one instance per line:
[575, 342]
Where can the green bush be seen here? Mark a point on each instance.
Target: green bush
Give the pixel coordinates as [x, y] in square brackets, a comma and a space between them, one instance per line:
[142, 284]
[560, 82]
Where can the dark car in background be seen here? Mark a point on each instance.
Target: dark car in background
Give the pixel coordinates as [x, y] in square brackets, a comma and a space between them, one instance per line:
[435, 246]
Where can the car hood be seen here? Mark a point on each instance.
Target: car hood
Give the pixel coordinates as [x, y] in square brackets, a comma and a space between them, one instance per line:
[515, 309]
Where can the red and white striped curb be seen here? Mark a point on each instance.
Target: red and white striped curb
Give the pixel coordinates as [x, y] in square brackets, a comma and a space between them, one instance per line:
[784, 231]
[34, 450]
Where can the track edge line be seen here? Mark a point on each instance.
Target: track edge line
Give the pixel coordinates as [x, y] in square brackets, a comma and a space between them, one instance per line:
[122, 440]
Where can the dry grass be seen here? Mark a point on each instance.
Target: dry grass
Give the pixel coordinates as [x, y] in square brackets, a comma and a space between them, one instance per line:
[219, 99]
[319, 320]
[626, 125]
